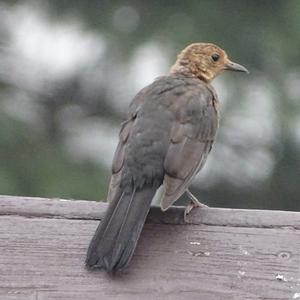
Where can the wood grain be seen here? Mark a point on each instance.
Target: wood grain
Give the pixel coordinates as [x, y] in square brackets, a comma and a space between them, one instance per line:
[217, 254]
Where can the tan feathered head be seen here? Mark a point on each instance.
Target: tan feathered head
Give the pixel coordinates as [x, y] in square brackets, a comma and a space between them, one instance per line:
[205, 61]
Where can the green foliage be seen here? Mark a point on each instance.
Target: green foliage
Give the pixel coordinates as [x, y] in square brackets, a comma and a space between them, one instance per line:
[264, 35]
[30, 165]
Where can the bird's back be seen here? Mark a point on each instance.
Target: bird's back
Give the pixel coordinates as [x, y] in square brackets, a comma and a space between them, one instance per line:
[146, 156]
[153, 113]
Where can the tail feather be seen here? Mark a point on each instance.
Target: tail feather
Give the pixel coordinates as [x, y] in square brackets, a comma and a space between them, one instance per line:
[116, 237]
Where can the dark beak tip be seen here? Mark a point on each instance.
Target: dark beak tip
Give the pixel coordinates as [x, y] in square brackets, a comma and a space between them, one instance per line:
[236, 67]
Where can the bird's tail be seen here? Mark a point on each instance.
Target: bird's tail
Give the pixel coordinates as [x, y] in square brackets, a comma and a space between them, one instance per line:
[116, 237]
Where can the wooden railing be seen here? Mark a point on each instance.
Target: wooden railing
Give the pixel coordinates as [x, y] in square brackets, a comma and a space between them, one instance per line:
[216, 254]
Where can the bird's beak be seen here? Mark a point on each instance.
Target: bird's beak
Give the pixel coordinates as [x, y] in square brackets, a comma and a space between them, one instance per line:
[232, 66]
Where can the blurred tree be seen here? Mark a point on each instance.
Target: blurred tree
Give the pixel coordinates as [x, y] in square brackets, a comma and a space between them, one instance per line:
[262, 34]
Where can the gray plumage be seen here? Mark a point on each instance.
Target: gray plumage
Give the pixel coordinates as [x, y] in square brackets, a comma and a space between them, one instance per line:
[165, 141]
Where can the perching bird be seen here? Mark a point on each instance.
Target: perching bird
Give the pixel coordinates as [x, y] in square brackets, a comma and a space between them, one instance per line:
[163, 144]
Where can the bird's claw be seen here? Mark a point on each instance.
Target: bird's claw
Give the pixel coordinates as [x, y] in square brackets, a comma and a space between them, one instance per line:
[193, 203]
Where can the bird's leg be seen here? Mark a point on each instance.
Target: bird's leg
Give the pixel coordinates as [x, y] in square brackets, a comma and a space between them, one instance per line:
[193, 203]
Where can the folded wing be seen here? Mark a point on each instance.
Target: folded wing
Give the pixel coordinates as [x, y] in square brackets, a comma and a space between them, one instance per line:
[192, 136]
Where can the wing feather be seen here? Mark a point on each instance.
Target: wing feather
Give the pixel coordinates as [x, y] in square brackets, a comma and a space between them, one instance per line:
[191, 139]
[118, 160]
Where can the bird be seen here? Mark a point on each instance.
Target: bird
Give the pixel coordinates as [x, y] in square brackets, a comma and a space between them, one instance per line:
[163, 143]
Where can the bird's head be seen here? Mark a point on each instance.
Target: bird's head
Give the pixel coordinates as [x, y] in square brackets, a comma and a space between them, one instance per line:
[204, 61]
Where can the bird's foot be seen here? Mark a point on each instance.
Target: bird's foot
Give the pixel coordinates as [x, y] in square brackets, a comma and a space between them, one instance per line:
[193, 203]
[194, 200]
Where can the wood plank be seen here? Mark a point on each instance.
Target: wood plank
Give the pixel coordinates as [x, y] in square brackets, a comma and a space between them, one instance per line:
[255, 255]
[91, 210]
[47, 208]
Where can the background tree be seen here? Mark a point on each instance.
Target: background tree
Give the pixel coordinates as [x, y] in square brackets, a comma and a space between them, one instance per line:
[70, 68]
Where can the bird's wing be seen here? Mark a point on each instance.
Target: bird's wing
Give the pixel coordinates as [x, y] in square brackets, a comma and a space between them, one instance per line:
[119, 156]
[118, 160]
[192, 134]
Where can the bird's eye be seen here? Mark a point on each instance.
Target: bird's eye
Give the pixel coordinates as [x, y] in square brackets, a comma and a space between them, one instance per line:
[215, 57]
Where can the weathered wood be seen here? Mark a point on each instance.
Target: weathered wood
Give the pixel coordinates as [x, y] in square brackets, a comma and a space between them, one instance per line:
[218, 254]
